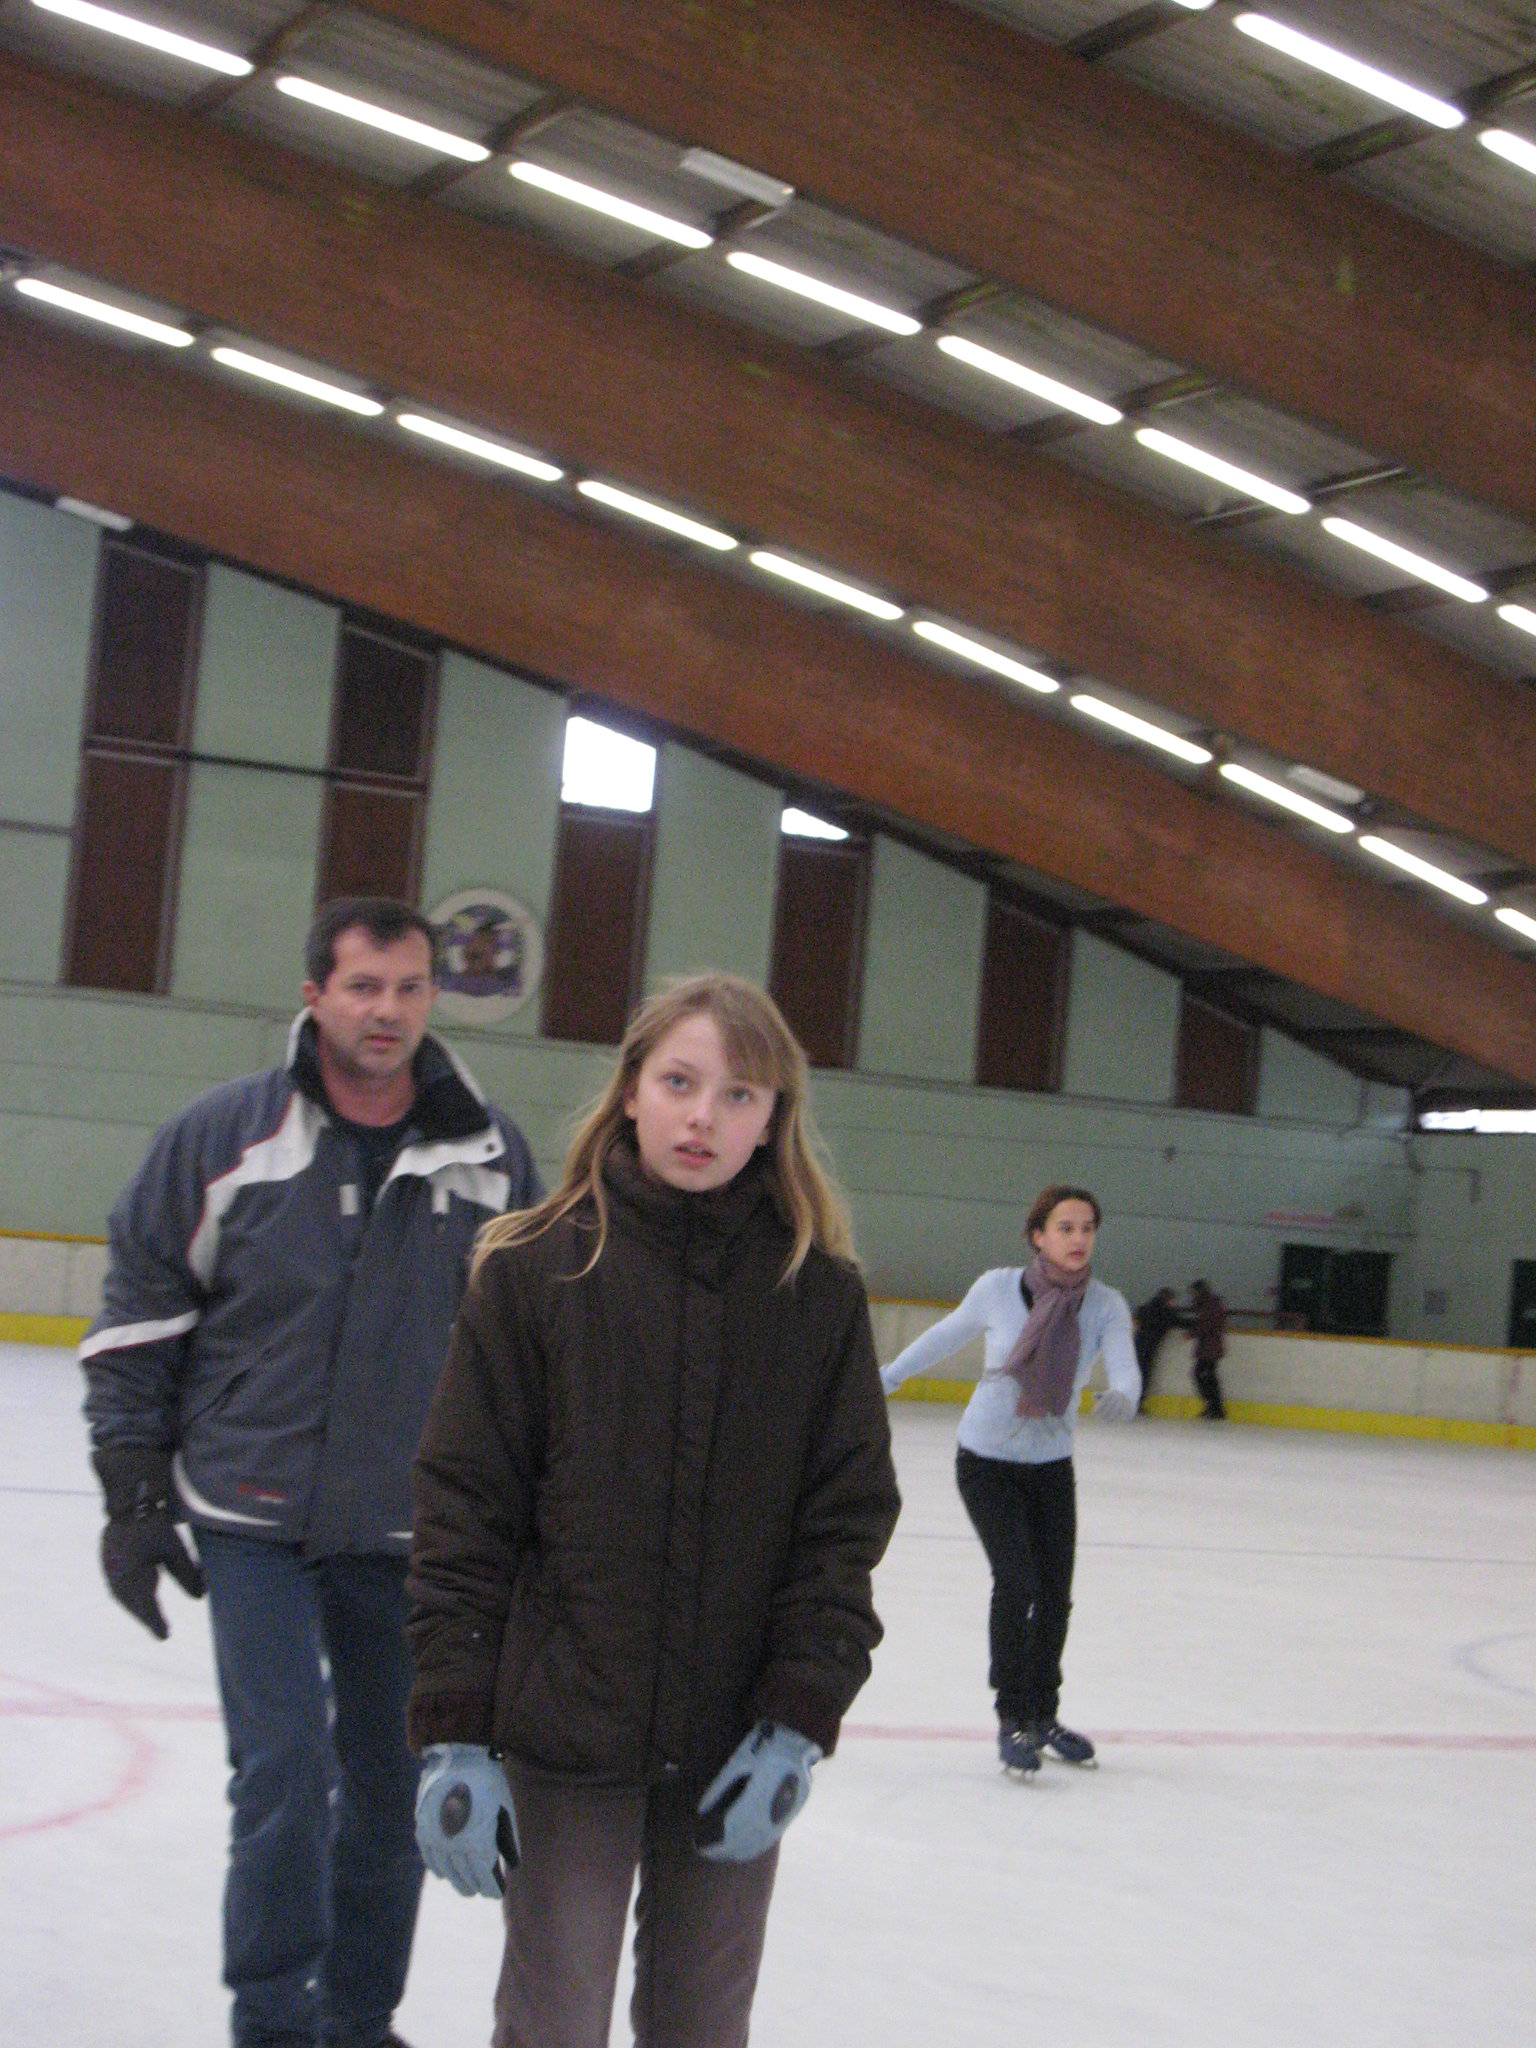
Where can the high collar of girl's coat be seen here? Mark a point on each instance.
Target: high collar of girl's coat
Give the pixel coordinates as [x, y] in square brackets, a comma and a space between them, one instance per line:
[698, 1222]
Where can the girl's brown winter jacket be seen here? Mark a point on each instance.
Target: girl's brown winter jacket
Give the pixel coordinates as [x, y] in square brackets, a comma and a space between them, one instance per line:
[650, 1498]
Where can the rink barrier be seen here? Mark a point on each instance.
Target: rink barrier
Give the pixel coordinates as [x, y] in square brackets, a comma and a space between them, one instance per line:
[1283, 1379]
[50, 1287]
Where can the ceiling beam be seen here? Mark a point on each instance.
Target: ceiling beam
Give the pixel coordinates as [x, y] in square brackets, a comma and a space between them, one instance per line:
[499, 329]
[487, 567]
[1080, 187]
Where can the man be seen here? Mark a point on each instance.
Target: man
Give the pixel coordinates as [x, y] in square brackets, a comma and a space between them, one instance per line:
[284, 1272]
[1152, 1322]
[1208, 1319]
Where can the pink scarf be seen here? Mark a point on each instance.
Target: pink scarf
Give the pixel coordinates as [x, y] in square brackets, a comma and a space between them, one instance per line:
[1044, 1360]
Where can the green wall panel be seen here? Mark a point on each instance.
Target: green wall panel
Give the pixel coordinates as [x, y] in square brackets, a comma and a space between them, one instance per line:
[34, 879]
[47, 590]
[1297, 1082]
[716, 860]
[922, 967]
[247, 885]
[1122, 1025]
[266, 671]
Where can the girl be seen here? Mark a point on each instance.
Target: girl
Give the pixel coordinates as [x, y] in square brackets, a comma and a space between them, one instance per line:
[1044, 1326]
[653, 1487]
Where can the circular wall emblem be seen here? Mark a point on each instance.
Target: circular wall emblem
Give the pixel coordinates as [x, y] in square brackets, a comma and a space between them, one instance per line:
[492, 955]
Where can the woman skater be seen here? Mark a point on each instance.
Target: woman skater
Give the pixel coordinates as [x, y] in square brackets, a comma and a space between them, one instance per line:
[652, 1490]
[1044, 1326]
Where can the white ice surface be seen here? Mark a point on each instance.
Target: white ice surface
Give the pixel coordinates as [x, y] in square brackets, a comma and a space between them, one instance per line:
[1310, 1662]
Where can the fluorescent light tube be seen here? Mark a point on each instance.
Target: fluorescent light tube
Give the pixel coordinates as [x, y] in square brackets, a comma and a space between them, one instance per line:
[1365, 78]
[119, 522]
[1517, 615]
[1483, 1121]
[739, 178]
[805, 287]
[1404, 559]
[801, 825]
[108, 316]
[1277, 793]
[1054, 393]
[1242, 480]
[986, 657]
[606, 768]
[293, 380]
[1518, 922]
[124, 25]
[475, 444]
[1325, 785]
[1195, 6]
[659, 224]
[1513, 148]
[1139, 729]
[380, 117]
[825, 586]
[658, 515]
[1410, 863]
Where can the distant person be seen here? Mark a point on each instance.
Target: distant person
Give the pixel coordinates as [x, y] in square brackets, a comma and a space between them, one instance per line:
[654, 1486]
[1044, 1325]
[1153, 1320]
[1208, 1319]
[284, 1271]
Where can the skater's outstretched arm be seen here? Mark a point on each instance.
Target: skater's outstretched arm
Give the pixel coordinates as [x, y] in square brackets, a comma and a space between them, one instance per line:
[960, 1327]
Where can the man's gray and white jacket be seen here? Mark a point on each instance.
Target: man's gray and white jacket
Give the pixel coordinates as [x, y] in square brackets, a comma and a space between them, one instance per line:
[282, 1344]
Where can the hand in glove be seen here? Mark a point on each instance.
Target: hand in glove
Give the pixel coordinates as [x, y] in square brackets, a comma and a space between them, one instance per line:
[465, 1819]
[1113, 1405]
[890, 1385]
[140, 1535]
[765, 1782]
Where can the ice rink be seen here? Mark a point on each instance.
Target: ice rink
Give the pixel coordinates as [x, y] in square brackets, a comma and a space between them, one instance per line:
[1310, 1663]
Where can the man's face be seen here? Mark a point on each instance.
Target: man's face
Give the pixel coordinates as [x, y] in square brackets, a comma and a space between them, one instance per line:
[372, 1010]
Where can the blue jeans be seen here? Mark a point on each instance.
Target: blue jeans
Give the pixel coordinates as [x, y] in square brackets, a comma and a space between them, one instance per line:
[324, 1875]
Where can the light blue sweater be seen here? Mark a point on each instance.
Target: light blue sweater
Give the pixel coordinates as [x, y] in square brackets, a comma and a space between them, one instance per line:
[994, 1309]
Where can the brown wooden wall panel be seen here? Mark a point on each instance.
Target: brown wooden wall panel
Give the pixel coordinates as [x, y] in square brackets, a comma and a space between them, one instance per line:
[127, 839]
[596, 940]
[1023, 1001]
[370, 843]
[816, 976]
[143, 654]
[383, 711]
[1218, 1061]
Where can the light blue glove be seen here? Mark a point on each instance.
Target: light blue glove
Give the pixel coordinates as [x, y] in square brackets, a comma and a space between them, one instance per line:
[890, 1385]
[764, 1784]
[465, 1819]
[1114, 1405]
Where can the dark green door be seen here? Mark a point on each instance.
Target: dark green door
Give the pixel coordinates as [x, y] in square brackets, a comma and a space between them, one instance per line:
[1522, 1306]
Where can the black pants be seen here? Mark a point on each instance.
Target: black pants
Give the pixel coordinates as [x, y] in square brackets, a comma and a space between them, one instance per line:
[1026, 1517]
[1209, 1387]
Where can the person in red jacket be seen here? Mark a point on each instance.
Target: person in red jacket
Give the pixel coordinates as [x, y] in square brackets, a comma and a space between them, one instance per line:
[650, 1496]
[1208, 1320]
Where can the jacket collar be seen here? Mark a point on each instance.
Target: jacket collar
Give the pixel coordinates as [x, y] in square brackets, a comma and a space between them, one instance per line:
[449, 1104]
[698, 1223]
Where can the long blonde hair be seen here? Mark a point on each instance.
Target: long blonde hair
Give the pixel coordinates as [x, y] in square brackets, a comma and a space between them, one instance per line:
[759, 1048]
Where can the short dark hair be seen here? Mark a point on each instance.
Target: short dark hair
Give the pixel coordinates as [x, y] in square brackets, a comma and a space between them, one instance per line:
[384, 920]
[1052, 1198]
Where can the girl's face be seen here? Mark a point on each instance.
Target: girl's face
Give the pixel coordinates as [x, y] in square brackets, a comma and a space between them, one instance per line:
[1066, 1237]
[696, 1123]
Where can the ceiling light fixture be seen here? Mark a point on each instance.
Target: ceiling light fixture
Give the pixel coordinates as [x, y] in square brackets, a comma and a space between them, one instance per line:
[738, 178]
[1139, 729]
[1404, 559]
[661, 225]
[108, 316]
[1365, 78]
[1485, 1122]
[1513, 148]
[986, 657]
[1048, 388]
[1517, 922]
[119, 522]
[371, 116]
[169, 45]
[295, 380]
[477, 445]
[805, 287]
[1517, 615]
[658, 515]
[801, 825]
[824, 585]
[1287, 799]
[1228, 473]
[1324, 785]
[1410, 863]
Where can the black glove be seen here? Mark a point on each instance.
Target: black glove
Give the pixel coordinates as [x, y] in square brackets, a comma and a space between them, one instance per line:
[140, 1535]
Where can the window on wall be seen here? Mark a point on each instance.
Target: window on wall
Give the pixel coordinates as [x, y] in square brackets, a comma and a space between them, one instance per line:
[379, 763]
[133, 771]
[817, 961]
[1022, 1016]
[1218, 1063]
[595, 947]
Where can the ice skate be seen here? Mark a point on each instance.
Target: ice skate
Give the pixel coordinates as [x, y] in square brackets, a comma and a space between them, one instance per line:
[1065, 1744]
[1017, 1750]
